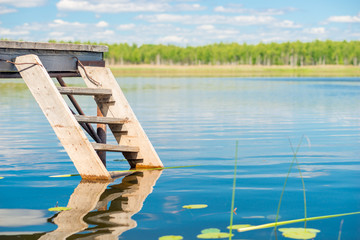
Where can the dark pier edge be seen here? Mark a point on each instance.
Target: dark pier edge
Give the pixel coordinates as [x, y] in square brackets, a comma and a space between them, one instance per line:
[59, 59]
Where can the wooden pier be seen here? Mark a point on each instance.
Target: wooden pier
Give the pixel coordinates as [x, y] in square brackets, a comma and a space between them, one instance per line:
[38, 63]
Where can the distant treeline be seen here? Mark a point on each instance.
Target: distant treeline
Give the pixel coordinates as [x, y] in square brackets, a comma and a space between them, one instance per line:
[288, 53]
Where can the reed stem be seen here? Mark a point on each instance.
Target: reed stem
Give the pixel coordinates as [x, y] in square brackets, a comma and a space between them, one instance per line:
[275, 224]
[233, 191]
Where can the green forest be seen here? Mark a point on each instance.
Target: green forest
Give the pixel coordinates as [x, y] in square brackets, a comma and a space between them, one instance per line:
[288, 53]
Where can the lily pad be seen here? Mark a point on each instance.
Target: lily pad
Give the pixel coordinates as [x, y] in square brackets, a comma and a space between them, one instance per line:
[214, 235]
[211, 230]
[239, 226]
[1, 177]
[299, 233]
[195, 206]
[171, 237]
[58, 209]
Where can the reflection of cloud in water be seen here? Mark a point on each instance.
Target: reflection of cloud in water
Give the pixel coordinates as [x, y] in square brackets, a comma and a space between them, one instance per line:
[171, 204]
[21, 217]
[311, 168]
[253, 217]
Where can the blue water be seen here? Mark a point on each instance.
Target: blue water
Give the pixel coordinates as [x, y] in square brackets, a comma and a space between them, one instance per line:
[192, 121]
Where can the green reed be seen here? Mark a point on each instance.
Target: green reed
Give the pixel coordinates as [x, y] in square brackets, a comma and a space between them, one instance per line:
[233, 191]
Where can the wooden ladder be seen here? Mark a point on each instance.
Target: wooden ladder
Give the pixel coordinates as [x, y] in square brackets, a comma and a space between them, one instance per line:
[117, 114]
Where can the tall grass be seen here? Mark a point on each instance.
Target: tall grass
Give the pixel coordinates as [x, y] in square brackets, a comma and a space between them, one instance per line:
[305, 219]
[287, 177]
[233, 191]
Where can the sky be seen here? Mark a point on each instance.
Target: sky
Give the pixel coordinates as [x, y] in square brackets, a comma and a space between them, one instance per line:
[180, 22]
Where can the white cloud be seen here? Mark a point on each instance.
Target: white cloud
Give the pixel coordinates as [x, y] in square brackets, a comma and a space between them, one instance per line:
[126, 26]
[117, 6]
[272, 11]
[208, 19]
[24, 3]
[356, 35]
[4, 10]
[32, 27]
[287, 24]
[56, 34]
[315, 30]
[165, 18]
[107, 32]
[237, 8]
[112, 6]
[5, 32]
[102, 24]
[59, 23]
[173, 39]
[345, 19]
[189, 7]
[223, 9]
[253, 19]
[272, 39]
[206, 27]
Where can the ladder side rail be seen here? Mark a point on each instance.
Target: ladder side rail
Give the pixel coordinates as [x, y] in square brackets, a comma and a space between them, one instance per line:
[120, 108]
[60, 118]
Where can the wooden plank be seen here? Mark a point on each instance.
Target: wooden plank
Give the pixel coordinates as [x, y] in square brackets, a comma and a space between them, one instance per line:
[60, 118]
[53, 46]
[136, 136]
[113, 148]
[100, 120]
[84, 91]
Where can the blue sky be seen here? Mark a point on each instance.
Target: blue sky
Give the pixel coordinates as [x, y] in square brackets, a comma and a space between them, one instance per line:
[180, 22]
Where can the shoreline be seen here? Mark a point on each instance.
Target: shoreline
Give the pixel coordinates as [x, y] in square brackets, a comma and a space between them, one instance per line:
[148, 70]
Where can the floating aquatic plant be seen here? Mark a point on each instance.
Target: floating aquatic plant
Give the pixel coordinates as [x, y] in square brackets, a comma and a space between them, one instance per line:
[211, 230]
[195, 206]
[171, 237]
[213, 233]
[299, 233]
[238, 226]
[58, 209]
[1, 177]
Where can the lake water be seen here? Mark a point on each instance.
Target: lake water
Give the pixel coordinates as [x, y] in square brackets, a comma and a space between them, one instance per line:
[192, 121]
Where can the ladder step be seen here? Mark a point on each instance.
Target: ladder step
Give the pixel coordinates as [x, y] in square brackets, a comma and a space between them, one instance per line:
[101, 120]
[85, 91]
[114, 148]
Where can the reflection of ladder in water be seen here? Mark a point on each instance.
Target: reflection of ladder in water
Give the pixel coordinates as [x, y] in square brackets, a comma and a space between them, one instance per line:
[117, 114]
